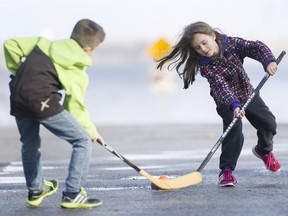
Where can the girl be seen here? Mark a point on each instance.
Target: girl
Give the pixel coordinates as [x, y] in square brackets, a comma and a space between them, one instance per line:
[219, 58]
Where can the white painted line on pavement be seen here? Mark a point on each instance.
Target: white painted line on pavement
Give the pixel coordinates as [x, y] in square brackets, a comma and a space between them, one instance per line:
[143, 178]
[13, 168]
[115, 188]
[168, 155]
[129, 168]
[12, 180]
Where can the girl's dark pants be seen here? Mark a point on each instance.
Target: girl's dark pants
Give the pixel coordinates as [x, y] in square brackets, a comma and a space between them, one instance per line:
[260, 117]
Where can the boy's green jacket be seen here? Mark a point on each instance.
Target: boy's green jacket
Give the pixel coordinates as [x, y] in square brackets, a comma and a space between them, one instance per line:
[47, 67]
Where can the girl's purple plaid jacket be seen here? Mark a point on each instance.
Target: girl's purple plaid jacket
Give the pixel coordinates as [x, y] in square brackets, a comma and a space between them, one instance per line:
[229, 83]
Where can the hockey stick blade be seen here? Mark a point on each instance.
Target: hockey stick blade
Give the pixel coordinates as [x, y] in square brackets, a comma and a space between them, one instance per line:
[167, 184]
[176, 183]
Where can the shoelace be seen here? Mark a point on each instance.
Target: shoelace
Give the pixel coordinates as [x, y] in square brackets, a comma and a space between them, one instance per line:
[270, 160]
[228, 175]
[83, 192]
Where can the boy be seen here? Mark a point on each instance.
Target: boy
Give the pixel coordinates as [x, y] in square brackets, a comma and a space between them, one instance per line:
[40, 68]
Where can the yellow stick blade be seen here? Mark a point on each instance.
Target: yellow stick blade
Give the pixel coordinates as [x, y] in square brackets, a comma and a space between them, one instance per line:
[176, 183]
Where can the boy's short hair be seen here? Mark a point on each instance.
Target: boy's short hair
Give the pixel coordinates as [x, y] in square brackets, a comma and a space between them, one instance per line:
[88, 33]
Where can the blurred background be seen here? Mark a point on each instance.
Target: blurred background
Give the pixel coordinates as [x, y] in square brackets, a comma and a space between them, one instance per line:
[124, 86]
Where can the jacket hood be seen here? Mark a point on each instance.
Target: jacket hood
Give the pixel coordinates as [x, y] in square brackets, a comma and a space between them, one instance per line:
[68, 54]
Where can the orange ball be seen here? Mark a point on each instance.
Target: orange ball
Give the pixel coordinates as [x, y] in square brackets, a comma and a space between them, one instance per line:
[163, 177]
[154, 187]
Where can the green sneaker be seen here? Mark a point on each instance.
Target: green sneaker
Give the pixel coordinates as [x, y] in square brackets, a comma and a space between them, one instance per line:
[79, 200]
[34, 199]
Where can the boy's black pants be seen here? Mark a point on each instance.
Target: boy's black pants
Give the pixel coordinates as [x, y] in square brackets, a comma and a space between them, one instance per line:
[260, 117]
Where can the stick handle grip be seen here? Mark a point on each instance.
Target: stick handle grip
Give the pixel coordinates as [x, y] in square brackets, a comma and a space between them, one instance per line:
[265, 78]
[278, 60]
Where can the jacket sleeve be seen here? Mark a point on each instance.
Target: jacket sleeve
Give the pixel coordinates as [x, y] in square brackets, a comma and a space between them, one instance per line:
[17, 49]
[256, 50]
[75, 83]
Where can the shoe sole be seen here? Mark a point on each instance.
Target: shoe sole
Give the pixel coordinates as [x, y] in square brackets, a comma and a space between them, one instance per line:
[79, 205]
[37, 202]
[227, 185]
[257, 155]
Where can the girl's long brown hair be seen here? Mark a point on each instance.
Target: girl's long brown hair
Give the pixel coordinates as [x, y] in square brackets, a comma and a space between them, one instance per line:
[183, 52]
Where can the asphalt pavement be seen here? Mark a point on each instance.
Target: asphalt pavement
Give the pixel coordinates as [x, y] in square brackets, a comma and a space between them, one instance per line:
[171, 150]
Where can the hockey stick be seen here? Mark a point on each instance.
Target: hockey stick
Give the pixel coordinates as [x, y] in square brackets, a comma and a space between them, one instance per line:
[220, 140]
[167, 184]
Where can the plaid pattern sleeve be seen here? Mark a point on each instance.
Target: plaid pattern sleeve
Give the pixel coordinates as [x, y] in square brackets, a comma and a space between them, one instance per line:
[256, 50]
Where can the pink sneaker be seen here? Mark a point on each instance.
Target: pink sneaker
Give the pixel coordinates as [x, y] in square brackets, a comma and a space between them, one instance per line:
[269, 160]
[227, 179]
